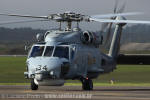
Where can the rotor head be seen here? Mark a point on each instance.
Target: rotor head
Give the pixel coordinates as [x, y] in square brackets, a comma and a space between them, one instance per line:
[66, 17]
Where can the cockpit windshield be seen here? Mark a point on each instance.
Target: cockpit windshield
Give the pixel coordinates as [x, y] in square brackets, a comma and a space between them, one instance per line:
[62, 52]
[48, 51]
[37, 51]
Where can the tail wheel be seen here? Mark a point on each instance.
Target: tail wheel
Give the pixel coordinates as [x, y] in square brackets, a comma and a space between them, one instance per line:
[33, 85]
[87, 84]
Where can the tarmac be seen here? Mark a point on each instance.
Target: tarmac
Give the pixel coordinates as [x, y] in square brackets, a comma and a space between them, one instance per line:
[16, 92]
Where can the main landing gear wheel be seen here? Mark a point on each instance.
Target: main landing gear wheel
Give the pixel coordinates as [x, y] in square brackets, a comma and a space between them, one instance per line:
[33, 85]
[87, 84]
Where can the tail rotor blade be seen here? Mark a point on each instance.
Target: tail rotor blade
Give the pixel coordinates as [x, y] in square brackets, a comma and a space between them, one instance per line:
[116, 11]
[107, 39]
[116, 6]
[121, 10]
[108, 35]
[104, 26]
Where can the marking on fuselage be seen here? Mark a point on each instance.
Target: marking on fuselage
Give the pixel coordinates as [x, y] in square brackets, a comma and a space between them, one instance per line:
[91, 59]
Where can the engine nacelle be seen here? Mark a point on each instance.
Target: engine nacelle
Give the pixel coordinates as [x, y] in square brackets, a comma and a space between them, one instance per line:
[91, 38]
[40, 37]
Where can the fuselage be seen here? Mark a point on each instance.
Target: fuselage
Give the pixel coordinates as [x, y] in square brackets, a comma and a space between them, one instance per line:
[63, 56]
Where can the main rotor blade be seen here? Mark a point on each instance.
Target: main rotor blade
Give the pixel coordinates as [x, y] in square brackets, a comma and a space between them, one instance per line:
[115, 15]
[21, 21]
[119, 21]
[26, 16]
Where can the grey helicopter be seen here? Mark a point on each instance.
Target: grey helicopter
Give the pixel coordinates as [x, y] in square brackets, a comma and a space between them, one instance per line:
[72, 53]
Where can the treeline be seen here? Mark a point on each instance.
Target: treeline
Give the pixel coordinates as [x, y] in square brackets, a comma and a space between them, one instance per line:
[12, 41]
[18, 35]
[135, 33]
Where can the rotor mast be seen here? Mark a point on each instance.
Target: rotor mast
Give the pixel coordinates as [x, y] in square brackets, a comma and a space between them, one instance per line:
[69, 25]
[68, 18]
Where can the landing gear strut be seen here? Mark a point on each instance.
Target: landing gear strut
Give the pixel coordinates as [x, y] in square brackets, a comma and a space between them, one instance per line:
[33, 85]
[87, 84]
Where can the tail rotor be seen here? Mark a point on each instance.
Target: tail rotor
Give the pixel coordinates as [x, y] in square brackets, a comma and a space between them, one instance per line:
[108, 26]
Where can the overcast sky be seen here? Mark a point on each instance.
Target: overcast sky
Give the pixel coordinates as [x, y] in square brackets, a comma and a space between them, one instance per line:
[90, 7]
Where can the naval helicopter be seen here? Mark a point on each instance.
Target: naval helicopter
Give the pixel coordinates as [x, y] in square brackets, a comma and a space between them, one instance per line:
[72, 53]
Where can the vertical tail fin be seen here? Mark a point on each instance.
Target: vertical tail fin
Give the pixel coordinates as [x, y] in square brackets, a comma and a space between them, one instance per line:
[115, 44]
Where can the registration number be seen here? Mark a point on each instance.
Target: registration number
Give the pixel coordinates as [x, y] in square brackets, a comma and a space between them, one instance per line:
[40, 67]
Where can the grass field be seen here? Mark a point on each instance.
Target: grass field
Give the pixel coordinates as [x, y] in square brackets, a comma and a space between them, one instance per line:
[12, 69]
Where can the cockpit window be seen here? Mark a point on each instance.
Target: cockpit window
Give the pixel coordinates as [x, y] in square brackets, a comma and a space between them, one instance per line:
[62, 52]
[37, 51]
[48, 51]
[72, 54]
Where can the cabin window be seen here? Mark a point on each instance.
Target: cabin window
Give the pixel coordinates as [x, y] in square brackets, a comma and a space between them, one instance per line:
[73, 49]
[37, 51]
[72, 54]
[62, 52]
[48, 51]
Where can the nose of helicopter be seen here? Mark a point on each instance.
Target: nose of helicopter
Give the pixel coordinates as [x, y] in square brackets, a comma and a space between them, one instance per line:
[46, 68]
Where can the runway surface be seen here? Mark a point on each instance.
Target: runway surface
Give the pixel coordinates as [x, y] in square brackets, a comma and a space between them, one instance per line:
[74, 93]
